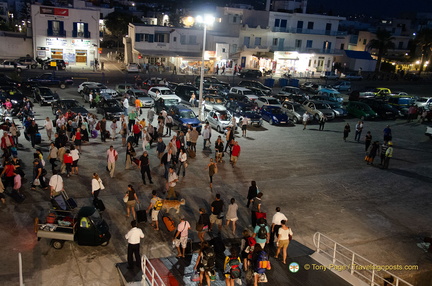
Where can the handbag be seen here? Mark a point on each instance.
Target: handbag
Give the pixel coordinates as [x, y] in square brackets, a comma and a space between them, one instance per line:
[36, 182]
[126, 198]
[147, 146]
[221, 215]
[195, 277]
[260, 215]
[177, 236]
[262, 278]
[185, 164]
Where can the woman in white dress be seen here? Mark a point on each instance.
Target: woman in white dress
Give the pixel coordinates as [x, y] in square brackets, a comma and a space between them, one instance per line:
[231, 215]
[145, 139]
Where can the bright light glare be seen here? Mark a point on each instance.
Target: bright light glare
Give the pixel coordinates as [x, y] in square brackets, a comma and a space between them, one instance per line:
[207, 19]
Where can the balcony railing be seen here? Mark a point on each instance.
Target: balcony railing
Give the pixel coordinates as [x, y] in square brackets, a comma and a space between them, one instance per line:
[308, 31]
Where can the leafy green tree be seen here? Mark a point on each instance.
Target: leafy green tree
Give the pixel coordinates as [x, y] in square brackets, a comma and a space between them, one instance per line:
[382, 43]
[423, 41]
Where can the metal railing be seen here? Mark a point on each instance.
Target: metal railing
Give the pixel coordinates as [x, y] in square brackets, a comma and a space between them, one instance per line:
[150, 275]
[343, 258]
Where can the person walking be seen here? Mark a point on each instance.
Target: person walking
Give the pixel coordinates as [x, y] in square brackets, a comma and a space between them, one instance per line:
[112, 157]
[321, 122]
[144, 165]
[346, 131]
[205, 262]
[56, 184]
[75, 158]
[219, 148]
[193, 136]
[278, 217]
[103, 130]
[97, 185]
[229, 135]
[182, 162]
[203, 224]
[169, 122]
[235, 153]
[113, 129]
[305, 119]
[130, 155]
[67, 161]
[150, 116]
[368, 140]
[383, 149]
[181, 237]
[358, 131]
[372, 152]
[231, 267]
[216, 213]
[32, 130]
[256, 207]
[206, 136]
[124, 133]
[388, 155]
[52, 156]
[192, 99]
[172, 181]
[154, 207]
[252, 193]
[261, 233]
[212, 167]
[284, 237]
[48, 127]
[244, 124]
[133, 237]
[231, 216]
[387, 134]
[167, 161]
[132, 200]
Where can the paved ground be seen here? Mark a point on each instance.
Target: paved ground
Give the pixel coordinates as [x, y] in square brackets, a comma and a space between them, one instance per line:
[320, 182]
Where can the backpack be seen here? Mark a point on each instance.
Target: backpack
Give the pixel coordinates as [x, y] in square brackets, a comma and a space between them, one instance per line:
[250, 244]
[262, 232]
[262, 263]
[158, 205]
[234, 270]
[98, 126]
[208, 258]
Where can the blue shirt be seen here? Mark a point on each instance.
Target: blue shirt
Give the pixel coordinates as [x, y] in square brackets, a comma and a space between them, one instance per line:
[256, 230]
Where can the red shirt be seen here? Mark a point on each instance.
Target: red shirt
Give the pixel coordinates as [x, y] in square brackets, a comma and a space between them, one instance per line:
[10, 170]
[78, 135]
[136, 129]
[235, 150]
[67, 158]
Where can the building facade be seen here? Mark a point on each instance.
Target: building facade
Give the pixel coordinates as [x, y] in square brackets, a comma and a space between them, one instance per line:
[66, 33]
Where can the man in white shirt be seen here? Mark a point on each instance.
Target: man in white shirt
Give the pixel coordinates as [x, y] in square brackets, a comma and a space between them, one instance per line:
[169, 124]
[305, 119]
[133, 237]
[56, 184]
[244, 124]
[126, 105]
[276, 224]
[112, 157]
[206, 136]
[172, 181]
[182, 230]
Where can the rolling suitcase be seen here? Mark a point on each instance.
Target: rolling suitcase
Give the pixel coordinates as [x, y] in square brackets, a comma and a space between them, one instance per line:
[17, 196]
[169, 223]
[69, 201]
[99, 205]
[94, 134]
[38, 138]
[59, 203]
[141, 216]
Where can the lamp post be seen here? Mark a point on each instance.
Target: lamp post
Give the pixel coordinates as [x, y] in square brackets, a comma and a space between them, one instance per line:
[207, 20]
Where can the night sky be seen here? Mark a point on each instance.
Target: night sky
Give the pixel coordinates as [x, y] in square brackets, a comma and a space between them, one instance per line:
[371, 7]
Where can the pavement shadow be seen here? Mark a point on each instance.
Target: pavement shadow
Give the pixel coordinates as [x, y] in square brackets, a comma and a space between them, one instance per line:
[410, 174]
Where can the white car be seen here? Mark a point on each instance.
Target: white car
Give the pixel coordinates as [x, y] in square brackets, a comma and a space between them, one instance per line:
[133, 67]
[424, 102]
[158, 91]
[219, 118]
[109, 93]
[267, 100]
[12, 65]
[81, 86]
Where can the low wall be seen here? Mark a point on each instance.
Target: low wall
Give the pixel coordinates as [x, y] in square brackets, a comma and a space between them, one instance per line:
[15, 47]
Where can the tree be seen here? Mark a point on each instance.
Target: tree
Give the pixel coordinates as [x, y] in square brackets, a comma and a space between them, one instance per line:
[424, 45]
[117, 24]
[383, 42]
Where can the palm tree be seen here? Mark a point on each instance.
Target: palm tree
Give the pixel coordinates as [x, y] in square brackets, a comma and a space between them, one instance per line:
[383, 42]
[424, 45]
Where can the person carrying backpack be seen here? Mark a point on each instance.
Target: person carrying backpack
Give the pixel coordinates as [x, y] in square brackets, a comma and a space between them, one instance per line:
[205, 262]
[262, 233]
[261, 264]
[232, 267]
[155, 206]
[247, 246]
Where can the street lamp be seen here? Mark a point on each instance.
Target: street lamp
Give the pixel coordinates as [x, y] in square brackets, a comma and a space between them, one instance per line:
[206, 20]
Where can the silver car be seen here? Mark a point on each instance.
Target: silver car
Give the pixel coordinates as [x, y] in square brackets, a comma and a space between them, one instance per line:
[294, 111]
[219, 118]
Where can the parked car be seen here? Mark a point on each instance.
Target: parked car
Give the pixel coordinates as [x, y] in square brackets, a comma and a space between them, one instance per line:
[241, 109]
[382, 108]
[250, 73]
[360, 110]
[402, 104]
[123, 87]
[352, 76]
[293, 93]
[294, 111]
[253, 84]
[159, 91]
[92, 83]
[244, 91]
[134, 93]
[29, 62]
[357, 94]
[6, 80]
[237, 97]
[15, 96]
[68, 104]
[267, 100]
[183, 117]
[133, 67]
[330, 95]
[337, 108]
[54, 64]
[12, 65]
[274, 115]
[50, 79]
[310, 87]
[44, 95]
[329, 75]
[166, 103]
[212, 82]
[318, 109]
[424, 102]
[184, 91]
[342, 86]
[108, 93]
[212, 101]
[85, 92]
[219, 118]
[110, 109]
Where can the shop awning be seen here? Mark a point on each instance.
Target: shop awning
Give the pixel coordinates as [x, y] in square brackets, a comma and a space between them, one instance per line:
[165, 53]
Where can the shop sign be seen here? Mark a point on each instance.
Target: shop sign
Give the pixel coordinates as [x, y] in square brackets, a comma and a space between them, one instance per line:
[56, 42]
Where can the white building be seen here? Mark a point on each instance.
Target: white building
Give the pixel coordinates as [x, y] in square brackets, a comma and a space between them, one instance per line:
[66, 33]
